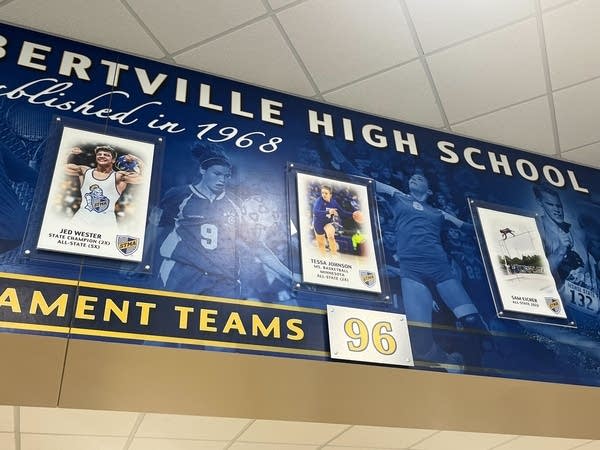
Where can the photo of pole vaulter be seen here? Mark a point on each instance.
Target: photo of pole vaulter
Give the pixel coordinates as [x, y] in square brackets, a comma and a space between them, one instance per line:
[98, 196]
[520, 267]
[336, 239]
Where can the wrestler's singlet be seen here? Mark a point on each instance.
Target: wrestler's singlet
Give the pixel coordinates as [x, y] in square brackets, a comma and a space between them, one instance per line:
[98, 199]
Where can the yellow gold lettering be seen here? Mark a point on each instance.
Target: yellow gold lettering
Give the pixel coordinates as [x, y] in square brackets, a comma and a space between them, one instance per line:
[258, 325]
[39, 302]
[112, 307]
[184, 313]
[145, 309]
[206, 320]
[9, 298]
[294, 326]
[83, 306]
[234, 321]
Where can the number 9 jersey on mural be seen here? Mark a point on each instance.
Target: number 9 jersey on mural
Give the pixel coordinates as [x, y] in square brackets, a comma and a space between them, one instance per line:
[98, 196]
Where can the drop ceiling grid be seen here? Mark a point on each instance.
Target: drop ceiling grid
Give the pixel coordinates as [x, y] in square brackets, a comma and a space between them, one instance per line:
[569, 76]
[71, 429]
[304, 53]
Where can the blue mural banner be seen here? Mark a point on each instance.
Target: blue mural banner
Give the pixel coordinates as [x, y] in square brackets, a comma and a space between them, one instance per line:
[158, 212]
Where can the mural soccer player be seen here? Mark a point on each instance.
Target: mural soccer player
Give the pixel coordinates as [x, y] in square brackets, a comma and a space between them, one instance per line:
[202, 250]
[102, 186]
[424, 264]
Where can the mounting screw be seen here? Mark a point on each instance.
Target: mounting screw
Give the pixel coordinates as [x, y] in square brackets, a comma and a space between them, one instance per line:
[407, 359]
[500, 313]
[335, 353]
[297, 285]
[401, 319]
[291, 165]
[160, 139]
[370, 181]
[58, 119]
[27, 252]
[147, 267]
[572, 323]
[387, 297]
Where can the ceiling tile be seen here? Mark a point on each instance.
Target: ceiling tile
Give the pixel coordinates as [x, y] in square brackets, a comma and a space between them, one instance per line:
[577, 112]
[588, 155]
[180, 23]
[76, 421]
[190, 427]
[280, 3]
[256, 54]
[403, 93]
[84, 21]
[343, 40]
[363, 436]
[540, 443]
[335, 447]
[58, 442]
[468, 18]
[263, 446]
[572, 36]
[462, 440]
[175, 444]
[594, 445]
[546, 4]
[6, 419]
[489, 72]
[7, 441]
[527, 126]
[272, 431]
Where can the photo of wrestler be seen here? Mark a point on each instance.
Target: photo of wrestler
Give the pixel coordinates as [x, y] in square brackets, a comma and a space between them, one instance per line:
[98, 197]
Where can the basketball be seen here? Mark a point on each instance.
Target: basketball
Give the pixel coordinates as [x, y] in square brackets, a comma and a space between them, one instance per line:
[358, 217]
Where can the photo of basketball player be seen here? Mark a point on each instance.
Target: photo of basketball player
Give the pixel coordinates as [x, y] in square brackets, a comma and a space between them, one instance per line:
[327, 215]
[337, 244]
[202, 250]
[102, 186]
[98, 196]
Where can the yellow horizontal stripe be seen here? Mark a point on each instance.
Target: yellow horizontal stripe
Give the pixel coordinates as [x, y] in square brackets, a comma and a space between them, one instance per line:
[34, 327]
[18, 276]
[182, 295]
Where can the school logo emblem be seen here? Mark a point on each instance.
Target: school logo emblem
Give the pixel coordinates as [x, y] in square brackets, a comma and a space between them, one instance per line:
[95, 199]
[553, 304]
[127, 244]
[367, 277]
[416, 205]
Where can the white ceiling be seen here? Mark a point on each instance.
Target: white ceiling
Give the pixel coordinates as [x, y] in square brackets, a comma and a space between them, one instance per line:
[28, 428]
[524, 73]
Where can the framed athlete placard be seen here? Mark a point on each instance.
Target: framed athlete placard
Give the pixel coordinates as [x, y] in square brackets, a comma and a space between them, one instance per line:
[97, 201]
[523, 283]
[337, 239]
